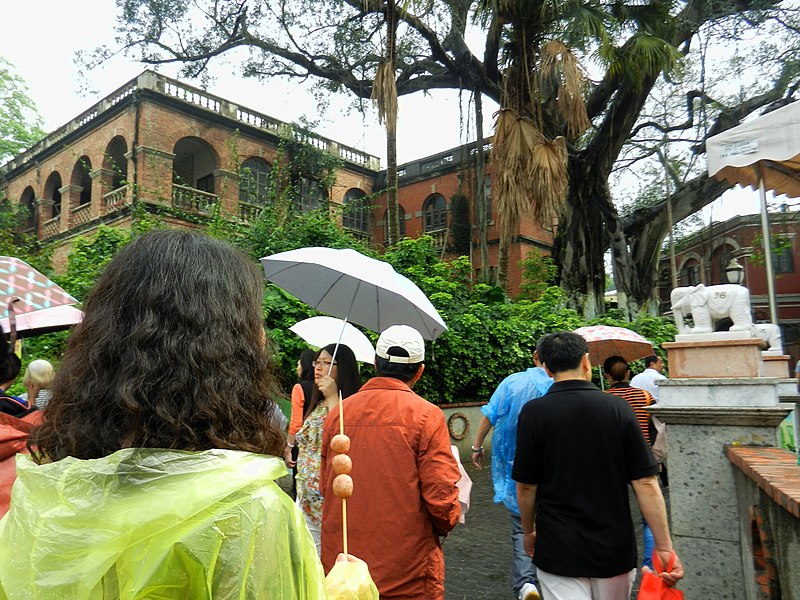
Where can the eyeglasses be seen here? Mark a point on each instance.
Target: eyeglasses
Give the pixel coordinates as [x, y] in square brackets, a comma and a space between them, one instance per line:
[322, 363]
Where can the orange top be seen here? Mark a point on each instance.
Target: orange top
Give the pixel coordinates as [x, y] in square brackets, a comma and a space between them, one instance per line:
[405, 495]
[298, 400]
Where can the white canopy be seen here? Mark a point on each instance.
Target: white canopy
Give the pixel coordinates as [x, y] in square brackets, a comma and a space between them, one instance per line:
[764, 154]
[770, 142]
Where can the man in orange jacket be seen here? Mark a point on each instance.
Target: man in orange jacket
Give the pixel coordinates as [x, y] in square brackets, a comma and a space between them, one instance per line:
[405, 498]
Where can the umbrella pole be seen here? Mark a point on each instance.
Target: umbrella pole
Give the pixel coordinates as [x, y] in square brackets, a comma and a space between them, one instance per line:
[773, 310]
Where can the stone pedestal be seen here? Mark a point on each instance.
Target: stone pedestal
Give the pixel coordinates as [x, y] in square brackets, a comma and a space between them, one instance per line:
[702, 416]
[715, 358]
[776, 365]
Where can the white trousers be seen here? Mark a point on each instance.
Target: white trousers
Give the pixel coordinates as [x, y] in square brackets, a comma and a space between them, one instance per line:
[556, 587]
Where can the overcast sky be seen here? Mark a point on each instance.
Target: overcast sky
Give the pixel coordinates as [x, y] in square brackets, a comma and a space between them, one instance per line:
[40, 38]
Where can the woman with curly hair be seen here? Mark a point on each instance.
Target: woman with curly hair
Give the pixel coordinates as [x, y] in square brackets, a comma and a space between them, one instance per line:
[153, 475]
[335, 369]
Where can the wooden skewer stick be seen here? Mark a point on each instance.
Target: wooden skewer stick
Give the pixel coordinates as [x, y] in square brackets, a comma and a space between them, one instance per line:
[344, 500]
[344, 525]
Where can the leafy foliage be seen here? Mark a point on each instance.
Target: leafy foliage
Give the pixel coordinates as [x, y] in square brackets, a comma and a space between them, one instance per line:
[20, 124]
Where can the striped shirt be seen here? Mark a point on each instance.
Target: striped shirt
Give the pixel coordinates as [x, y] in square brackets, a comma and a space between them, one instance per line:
[638, 399]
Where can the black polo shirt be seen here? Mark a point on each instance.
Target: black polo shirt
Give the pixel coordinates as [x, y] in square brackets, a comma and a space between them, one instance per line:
[582, 447]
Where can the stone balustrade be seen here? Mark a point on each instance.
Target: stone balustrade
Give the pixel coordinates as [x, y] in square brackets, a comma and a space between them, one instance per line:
[197, 201]
[115, 198]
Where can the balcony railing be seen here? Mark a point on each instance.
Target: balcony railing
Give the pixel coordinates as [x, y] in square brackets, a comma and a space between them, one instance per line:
[362, 236]
[51, 226]
[248, 212]
[439, 237]
[115, 198]
[193, 200]
[80, 215]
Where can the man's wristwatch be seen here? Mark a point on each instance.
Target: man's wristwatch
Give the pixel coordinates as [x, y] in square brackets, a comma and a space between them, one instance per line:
[478, 450]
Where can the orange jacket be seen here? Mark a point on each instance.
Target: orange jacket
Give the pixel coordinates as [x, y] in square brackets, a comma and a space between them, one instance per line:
[14, 434]
[405, 494]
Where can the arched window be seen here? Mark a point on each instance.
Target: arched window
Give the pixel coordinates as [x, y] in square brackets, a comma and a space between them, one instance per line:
[194, 164]
[254, 178]
[434, 213]
[81, 177]
[356, 211]
[690, 273]
[312, 192]
[401, 216]
[51, 192]
[115, 161]
[28, 202]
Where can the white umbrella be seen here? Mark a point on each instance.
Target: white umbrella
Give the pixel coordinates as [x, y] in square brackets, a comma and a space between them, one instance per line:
[321, 331]
[349, 285]
[44, 320]
[763, 153]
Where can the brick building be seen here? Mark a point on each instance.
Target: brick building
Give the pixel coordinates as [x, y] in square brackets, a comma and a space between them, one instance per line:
[703, 256]
[168, 145]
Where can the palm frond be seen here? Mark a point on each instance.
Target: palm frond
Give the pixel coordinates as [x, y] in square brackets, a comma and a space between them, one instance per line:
[547, 166]
[384, 95]
[559, 64]
[645, 54]
[530, 172]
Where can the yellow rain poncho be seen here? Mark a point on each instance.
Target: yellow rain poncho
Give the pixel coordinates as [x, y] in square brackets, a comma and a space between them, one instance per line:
[156, 524]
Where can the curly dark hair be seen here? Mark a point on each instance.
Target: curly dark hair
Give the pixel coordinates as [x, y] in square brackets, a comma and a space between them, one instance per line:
[171, 353]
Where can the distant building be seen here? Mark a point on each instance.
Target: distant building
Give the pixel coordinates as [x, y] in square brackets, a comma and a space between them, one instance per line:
[183, 151]
[703, 256]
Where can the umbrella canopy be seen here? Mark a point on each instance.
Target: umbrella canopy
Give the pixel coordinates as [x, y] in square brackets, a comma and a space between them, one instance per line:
[606, 341]
[770, 143]
[44, 321]
[321, 331]
[349, 285]
[35, 291]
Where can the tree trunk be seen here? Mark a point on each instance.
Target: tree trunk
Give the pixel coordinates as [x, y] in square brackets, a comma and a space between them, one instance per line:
[481, 204]
[502, 263]
[581, 242]
[392, 212]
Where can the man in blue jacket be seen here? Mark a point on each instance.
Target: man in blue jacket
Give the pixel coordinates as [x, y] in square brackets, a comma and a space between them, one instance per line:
[502, 413]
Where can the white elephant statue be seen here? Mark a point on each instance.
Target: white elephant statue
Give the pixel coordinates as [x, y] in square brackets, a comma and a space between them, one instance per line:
[771, 334]
[709, 304]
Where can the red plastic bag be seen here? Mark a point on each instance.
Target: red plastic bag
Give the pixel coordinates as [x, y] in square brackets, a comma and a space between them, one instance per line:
[653, 587]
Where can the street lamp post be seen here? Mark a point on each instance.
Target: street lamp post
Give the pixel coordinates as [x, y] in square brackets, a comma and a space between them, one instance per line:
[735, 272]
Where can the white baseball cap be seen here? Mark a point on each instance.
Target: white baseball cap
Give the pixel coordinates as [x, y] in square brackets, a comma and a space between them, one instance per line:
[405, 337]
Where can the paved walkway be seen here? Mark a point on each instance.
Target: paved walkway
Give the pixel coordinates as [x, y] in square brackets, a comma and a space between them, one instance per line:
[478, 553]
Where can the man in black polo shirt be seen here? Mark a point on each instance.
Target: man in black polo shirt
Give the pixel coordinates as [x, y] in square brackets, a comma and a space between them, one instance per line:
[577, 451]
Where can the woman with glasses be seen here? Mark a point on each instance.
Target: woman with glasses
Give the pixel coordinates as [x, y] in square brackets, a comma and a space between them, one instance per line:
[335, 369]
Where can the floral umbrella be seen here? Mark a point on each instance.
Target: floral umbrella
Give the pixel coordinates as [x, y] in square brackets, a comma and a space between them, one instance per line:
[606, 341]
[27, 288]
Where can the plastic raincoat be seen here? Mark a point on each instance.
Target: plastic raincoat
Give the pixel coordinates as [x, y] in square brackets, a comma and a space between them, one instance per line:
[156, 524]
[503, 412]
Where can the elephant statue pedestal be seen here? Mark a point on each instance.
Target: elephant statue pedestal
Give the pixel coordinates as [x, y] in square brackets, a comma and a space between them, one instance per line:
[715, 357]
[777, 365]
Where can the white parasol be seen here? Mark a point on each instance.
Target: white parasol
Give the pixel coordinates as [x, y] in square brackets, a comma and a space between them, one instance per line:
[346, 284]
[321, 331]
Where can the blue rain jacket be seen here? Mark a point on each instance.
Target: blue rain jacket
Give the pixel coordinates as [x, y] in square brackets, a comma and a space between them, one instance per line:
[503, 412]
